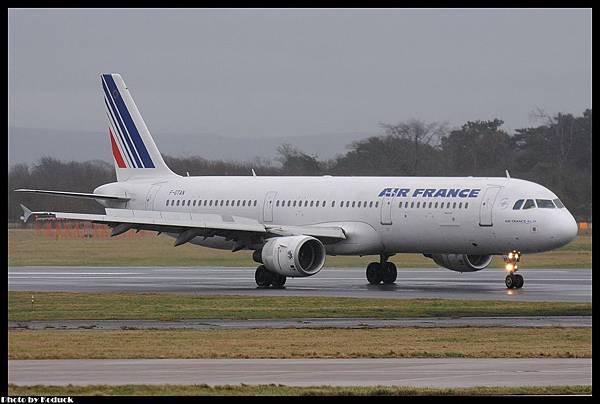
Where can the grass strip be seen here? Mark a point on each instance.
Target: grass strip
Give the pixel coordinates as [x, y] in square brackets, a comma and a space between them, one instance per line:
[283, 390]
[26, 247]
[468, 342]
[167, 306]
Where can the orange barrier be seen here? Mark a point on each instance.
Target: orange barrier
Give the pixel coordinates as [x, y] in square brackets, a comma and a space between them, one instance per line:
[59, 229]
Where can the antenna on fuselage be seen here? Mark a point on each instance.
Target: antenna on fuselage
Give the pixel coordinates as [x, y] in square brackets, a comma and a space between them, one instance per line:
[507, 174]
[253, 173]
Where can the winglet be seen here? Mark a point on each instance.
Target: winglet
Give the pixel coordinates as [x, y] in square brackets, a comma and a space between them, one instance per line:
[26, 213]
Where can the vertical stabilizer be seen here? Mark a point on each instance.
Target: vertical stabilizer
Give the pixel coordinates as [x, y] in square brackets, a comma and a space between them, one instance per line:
[134, 150]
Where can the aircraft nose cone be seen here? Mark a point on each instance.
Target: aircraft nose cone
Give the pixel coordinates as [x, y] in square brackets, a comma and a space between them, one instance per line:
[568, 229]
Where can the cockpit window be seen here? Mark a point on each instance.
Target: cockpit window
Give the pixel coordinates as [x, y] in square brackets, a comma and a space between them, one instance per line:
[529, 203]
[518, 204]
[545, 203]
[558, 203]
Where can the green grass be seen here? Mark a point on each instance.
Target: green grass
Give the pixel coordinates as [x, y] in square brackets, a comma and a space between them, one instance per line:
[273, 389]
[26, 247]
[293, 343]
[168, 306]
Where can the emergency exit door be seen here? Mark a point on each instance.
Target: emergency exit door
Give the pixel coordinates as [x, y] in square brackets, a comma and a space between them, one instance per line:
[268, 206]
[386, 210]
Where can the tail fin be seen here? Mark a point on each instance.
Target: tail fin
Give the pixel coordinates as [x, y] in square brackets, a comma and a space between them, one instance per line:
[133, 148]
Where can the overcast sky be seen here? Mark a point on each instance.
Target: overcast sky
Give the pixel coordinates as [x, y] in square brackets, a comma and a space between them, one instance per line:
[262, 73]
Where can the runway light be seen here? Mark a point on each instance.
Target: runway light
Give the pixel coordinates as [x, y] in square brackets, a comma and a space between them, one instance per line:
[509, 267]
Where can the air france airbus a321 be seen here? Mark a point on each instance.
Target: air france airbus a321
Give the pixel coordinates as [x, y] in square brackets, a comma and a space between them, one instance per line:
[292, 223]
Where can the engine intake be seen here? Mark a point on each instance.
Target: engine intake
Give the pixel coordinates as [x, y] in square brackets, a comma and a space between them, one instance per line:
[293, 256]
[462, 262]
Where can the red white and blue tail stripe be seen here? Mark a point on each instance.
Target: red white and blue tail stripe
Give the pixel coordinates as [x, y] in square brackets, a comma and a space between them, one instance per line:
[133, 148]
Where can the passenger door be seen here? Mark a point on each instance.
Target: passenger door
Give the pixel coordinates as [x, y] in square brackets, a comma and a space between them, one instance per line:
[268, 206]
[487, 203]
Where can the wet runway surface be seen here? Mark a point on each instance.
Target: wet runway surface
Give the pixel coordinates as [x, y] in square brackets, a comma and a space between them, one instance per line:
[569, 285]
[306, 372]
[211, 324]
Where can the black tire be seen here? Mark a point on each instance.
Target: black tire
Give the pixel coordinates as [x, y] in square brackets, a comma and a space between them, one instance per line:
[374, 273]
[263, 277]
[390, 273]
[519, 281]
[510, 281]
[278, 281]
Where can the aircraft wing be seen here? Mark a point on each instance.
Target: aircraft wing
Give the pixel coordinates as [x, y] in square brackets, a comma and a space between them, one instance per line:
[188, 225]
[74, 194]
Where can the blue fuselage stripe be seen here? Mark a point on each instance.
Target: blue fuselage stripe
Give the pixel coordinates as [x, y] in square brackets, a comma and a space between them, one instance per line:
[131, 128]
[113, 109]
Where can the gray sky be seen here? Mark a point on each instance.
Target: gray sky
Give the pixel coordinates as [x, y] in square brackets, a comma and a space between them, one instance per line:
[267, 73]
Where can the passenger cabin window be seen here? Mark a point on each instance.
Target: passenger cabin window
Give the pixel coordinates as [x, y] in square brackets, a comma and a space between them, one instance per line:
[466, 205]
[255, 202]
[545, 204]
[376, 204]
[178, 202]
[529, 203]
[371, 204]
[333, 204]
[558, 203]
[518, 204]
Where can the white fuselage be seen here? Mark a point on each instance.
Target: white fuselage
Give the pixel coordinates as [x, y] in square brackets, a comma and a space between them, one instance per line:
[380, 215]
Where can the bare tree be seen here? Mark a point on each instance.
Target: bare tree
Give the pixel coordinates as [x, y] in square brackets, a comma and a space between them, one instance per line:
[419, 132]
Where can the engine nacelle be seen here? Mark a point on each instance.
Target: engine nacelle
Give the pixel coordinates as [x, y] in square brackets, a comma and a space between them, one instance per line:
[461, 262]
[293, 256]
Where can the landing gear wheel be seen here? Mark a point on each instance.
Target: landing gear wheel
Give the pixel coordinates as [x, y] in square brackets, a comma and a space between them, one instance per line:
[518, 281]
[510, 281]
[374, 273]
[390, 273]
[263, 277]
[278, 281]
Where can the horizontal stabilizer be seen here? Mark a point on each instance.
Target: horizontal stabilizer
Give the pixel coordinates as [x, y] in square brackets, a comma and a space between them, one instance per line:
[75, 194]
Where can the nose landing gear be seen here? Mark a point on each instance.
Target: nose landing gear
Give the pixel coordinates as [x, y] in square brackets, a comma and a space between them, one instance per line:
[513, 280]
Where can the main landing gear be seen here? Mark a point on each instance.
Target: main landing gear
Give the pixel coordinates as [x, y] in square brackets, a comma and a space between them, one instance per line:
[382, 271]
[265, 278]
[513, 280]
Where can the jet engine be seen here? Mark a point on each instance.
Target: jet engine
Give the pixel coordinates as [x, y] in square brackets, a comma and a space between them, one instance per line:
[461, 262]
[293, 256]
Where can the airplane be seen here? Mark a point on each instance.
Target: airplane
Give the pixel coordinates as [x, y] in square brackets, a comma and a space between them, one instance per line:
[292, 223]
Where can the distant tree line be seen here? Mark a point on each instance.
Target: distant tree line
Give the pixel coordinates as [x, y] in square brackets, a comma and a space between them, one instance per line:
[557, 153]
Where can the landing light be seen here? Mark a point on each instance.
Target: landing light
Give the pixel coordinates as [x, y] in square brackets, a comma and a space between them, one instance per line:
[509, 267]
